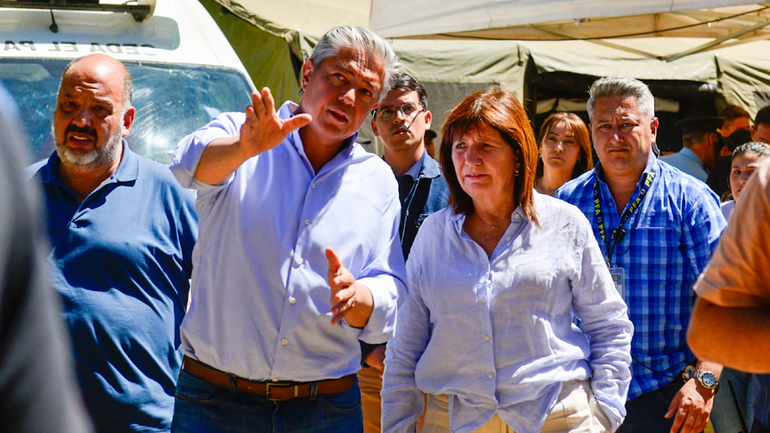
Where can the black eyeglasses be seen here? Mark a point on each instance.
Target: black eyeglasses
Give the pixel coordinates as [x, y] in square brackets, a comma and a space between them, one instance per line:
[408, 110]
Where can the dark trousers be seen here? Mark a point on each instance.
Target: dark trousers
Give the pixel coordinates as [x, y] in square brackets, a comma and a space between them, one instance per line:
[205, 408]
[645, 413]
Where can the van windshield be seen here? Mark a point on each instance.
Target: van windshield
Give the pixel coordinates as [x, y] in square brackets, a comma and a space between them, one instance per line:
[171, 101]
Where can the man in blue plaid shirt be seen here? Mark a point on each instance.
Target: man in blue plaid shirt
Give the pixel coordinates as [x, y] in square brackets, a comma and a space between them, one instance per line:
[657, 228]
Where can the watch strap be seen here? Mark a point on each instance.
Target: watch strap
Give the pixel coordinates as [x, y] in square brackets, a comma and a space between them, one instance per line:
[691, 373]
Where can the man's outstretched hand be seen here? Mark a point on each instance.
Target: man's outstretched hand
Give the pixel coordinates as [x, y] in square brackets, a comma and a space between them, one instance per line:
[348, 298]
[263, 129]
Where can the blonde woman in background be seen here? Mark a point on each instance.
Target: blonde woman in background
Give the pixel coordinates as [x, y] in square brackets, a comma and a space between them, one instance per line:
[565, 152]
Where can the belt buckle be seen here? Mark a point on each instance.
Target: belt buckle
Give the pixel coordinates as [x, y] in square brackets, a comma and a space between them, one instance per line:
[279, 385]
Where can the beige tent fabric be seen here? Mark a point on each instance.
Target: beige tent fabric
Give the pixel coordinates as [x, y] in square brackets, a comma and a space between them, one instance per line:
[745, 83]
[273, 39]
[312, 17]
[588, 59]
[538, 19]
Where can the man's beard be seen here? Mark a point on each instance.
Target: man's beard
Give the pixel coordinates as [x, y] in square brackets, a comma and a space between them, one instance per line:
[84, 161]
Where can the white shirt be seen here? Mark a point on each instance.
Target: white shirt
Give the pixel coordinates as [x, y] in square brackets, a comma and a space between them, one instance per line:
[496, 334]
[261, 300]
[727, 208]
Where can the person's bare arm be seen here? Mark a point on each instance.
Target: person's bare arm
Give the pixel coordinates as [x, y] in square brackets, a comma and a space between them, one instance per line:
[735, 337]
[262, 131]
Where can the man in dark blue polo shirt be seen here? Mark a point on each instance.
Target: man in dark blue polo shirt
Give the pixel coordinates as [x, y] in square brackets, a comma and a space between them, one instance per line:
[122, 231]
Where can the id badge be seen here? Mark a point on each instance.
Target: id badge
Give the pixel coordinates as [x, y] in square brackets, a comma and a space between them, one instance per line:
[619, 278]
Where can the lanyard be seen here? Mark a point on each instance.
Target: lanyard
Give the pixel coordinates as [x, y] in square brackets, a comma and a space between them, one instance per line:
[618, 234]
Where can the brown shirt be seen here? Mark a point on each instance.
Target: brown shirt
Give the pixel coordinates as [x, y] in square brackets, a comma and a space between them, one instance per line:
[738, 274]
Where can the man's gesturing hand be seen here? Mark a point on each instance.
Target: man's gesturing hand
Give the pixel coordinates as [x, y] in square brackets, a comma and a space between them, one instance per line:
[348, 297]
[263, 129]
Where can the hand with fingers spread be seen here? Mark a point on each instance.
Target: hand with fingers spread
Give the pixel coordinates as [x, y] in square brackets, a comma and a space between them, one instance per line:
[349, 299]
[264, 129]
[691, 408]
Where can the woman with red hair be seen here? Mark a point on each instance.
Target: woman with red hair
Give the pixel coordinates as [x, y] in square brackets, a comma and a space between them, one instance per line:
[487, 328]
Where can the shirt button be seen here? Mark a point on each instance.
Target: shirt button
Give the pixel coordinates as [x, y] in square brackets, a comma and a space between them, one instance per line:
[292, 300]
[284, 341]
[483, 300]
[486, 338]
[508, 239]
[299, 261]
[312, 186]
[491, 375]
[307, 222]
[516, 216]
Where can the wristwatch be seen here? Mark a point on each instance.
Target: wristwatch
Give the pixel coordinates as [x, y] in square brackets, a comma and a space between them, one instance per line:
[706, 378]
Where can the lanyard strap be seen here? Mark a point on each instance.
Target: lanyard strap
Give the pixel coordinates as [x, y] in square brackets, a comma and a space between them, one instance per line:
[627, 213]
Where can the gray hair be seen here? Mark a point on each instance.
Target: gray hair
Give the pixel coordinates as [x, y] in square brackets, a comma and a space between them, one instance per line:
[622, 86]
[363, 39]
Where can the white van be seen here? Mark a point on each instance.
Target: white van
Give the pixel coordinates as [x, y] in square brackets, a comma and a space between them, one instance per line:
[183, 67]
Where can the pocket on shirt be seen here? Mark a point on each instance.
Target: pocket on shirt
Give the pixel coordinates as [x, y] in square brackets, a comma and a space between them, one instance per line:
[664, 258]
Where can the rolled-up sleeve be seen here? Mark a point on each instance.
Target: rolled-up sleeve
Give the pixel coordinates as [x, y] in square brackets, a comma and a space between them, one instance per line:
[704, 225]
[184, 164]
[402, 401]
[603, 317]
[385, 276]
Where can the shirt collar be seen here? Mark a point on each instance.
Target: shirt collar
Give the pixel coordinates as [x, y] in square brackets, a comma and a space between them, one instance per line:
[689, 154]
[651, 163]
[127, 171]
[414, 172]
[287, 112]
[458, 219]
[430, 167]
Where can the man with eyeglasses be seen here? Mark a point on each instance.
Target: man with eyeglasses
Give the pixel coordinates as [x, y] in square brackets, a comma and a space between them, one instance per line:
[401, 121]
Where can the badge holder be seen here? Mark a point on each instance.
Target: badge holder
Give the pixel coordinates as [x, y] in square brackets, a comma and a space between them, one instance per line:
[619, 278]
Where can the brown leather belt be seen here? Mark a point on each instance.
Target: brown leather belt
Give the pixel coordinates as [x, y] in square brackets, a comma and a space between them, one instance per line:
[273, 391]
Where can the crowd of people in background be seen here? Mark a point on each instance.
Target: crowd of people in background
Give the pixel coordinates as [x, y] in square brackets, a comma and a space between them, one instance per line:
[277, 277]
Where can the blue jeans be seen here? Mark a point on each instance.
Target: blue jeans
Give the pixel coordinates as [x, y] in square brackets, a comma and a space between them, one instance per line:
[645, 413]
[205, 408]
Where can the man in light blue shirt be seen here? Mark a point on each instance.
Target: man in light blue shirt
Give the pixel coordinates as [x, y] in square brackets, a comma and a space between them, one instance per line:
[702, 145]
[299, 254]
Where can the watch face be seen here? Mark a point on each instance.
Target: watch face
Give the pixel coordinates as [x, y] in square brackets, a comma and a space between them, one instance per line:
[708, 379]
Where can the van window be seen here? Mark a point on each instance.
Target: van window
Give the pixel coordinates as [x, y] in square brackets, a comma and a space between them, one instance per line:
[171, 101]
